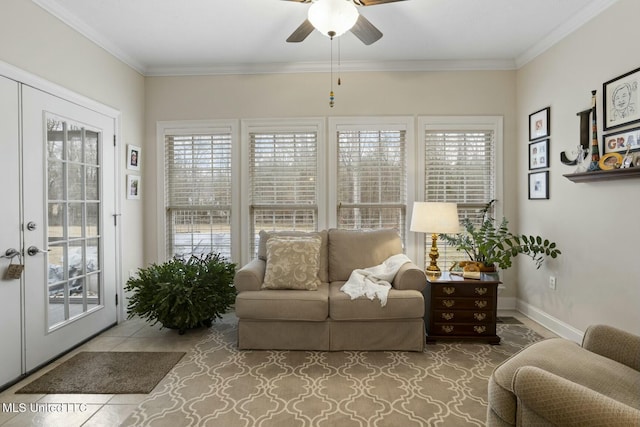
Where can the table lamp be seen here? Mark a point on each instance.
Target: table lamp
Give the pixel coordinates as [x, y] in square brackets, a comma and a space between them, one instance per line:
[435, 218]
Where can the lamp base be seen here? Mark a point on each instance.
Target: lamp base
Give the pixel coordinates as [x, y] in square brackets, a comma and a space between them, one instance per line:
[433, 254]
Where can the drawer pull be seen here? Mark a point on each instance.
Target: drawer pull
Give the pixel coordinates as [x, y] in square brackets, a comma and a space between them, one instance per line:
[449, 290]
[479, 316]
[480, 329]
[449, 303]
[447, 329]
[481, 291]
[481, 304]
[447, 316]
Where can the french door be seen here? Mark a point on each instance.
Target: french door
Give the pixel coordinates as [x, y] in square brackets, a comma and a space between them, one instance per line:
[65, 191]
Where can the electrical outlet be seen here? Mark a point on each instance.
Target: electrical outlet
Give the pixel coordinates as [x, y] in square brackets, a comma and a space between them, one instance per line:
[552, 282]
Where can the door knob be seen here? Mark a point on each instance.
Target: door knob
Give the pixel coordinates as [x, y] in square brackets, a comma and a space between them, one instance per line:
[33, 250]
[10, 253]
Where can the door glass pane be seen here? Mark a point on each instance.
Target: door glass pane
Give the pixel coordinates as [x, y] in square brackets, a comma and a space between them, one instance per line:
[74, 241]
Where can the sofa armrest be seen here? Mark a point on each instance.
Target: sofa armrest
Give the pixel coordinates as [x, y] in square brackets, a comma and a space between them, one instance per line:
[410, 276]
[613, 343]
[564, 403]
[251, 276]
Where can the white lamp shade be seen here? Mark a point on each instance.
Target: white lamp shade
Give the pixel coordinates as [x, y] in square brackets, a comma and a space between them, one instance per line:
[435, 217]
[336, 16]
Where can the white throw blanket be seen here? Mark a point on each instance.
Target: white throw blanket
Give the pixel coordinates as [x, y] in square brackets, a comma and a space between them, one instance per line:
[374, 281]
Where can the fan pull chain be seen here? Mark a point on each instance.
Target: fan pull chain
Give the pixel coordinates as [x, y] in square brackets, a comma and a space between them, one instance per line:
[339, 64]
[331, 96]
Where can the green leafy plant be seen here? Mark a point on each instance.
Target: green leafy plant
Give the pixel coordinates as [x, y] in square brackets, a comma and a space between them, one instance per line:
[492, 244]
[183, 294]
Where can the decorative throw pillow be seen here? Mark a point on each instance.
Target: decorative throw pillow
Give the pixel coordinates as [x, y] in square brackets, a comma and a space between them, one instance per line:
[292, 263]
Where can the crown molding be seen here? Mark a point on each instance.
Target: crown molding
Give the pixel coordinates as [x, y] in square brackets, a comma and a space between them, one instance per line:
[577, 21]
[84, 29]
[325, 67]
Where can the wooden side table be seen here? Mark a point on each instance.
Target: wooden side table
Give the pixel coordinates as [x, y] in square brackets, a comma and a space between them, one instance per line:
[461, 309]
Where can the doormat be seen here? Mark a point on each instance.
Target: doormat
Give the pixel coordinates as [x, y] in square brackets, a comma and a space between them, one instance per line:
[106, 372]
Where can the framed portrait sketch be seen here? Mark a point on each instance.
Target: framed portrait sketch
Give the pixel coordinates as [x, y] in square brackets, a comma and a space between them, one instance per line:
[620, 141]
[539, 185]
[133, 157]
[133, 187]
[620, 99]
[539, 124]
[539, 154]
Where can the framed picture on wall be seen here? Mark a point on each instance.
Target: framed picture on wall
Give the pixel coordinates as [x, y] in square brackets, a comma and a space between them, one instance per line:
[620, 99]
[539, 124]
[539, 185]
[133, 187]
[133, 157]
[539, 154]
[620, 141]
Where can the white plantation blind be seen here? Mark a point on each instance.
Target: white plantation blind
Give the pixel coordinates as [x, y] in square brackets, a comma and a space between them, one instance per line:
[283, 181]
[372, 179]
[460, 167]
[198, 194]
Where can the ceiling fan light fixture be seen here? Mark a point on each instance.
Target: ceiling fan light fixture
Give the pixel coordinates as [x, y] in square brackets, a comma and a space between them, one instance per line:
[333, 17]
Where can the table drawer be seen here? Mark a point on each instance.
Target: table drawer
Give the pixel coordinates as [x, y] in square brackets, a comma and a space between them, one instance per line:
[463, 303]
[463, 290]
[467, 329]
[466, 316]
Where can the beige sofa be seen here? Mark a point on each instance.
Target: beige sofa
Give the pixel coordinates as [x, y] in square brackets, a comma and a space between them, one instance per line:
[327, 319]
[556, 382]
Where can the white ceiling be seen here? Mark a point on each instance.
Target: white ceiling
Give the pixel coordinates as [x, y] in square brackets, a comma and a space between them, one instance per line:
[174, 37]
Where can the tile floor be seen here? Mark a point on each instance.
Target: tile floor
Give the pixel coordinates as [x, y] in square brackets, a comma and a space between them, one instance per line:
[108, 410]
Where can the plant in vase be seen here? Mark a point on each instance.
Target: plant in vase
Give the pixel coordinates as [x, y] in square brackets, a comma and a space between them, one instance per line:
[491, 244]
[183, 294]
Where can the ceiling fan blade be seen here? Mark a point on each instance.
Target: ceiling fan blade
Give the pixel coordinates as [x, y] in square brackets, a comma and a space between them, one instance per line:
[366, 31]
[371, 2]
[301, 32]
[300, 1]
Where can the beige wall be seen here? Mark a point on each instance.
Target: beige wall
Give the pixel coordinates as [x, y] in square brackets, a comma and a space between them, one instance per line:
[306, 95]
[36, 42]
[593, 223]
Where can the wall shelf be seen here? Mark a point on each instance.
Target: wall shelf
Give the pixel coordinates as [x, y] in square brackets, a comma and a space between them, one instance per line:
[612, 174]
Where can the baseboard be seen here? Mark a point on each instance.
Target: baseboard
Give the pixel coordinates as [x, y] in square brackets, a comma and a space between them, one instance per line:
[555, 325]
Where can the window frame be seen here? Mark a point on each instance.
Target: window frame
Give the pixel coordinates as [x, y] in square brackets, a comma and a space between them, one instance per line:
[372, 123]
[191, 127]
[462, 123]
[249, 126]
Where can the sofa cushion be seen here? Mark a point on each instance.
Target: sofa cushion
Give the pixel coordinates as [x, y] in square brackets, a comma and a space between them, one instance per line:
[352, 249]
[284, 305]
[323, 272]
[406, 304]
[292, 263]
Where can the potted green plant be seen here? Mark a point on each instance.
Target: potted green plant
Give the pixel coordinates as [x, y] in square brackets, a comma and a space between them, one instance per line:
[491, 244]
[183, 293]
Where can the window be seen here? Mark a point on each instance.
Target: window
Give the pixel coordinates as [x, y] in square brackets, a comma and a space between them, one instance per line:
[460, 165]
[283, 174]
[198, 193]
[372, 178]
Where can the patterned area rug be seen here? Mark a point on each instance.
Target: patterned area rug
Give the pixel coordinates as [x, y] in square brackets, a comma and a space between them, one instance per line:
[219, 386]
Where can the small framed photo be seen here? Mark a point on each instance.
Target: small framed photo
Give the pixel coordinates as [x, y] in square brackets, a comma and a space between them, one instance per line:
[539, 154]
[133, 187]
[133, 157]
[620, 141]
[620, 99]
[539, 185]
[539, 126]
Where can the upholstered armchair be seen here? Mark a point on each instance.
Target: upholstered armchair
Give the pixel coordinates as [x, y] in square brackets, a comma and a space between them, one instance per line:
[556, 382]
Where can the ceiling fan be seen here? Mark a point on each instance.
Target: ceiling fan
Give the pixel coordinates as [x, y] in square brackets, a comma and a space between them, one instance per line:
[334, 17]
